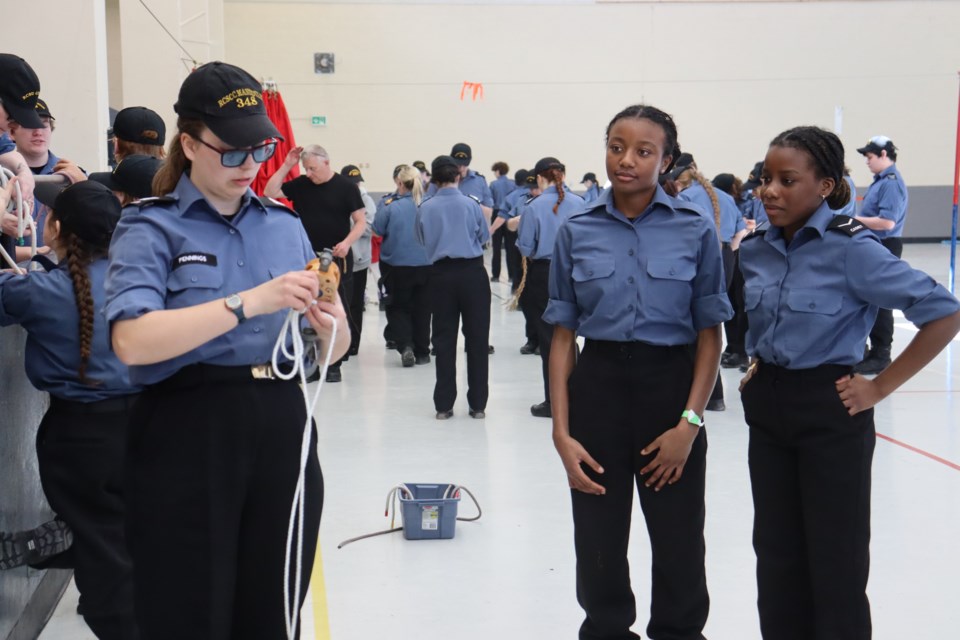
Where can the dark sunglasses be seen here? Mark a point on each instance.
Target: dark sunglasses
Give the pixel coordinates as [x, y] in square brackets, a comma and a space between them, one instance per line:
[231, 158]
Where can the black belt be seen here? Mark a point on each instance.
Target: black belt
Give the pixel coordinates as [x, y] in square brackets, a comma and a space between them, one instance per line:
[544, 262]
[830, 372]
[110, 405]
[634, 349]
[459, 261]
[198, 375]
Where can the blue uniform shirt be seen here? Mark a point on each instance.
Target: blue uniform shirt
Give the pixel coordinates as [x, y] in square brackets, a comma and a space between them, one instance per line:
[473, 185]
[451, 225]
[45, 305]
[538, 223]
[184, 253]
[850, 209]
[656, 279]
[887, 198]
[814, 302]
[500, 189]
[731, 218]
[592, 193]
[39, 209]
[515, 199]
[395, 221]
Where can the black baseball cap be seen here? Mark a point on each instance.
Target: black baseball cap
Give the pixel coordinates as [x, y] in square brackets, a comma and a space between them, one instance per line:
[724, 182]
[88, 210]
[530, 180]
[753, 180]
[442, 161]
[43, 110]
[133, 176]
[589, 176]
[140, 125]
[545, 164]
[878, 144]
[682, 164]
[520, 177]
[461, 154]
[229, 101]
[19, 91]
[420, 166]
[352, 172]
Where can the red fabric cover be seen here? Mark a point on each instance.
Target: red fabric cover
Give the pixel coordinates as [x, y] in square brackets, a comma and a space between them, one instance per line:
[277, 112]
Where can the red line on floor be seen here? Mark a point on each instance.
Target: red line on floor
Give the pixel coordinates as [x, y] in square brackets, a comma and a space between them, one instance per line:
[952, 465]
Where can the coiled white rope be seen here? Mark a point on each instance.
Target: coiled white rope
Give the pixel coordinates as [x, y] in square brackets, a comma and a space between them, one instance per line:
[296, 352]
[18, 206]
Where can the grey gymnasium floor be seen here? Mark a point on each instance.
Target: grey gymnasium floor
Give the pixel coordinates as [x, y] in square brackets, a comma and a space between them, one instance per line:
[511, 574]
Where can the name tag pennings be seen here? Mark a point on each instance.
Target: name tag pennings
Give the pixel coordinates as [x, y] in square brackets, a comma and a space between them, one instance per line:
[194, 258]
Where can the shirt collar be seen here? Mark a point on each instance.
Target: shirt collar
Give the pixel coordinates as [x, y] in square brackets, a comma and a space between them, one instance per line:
[605, 200]
[447, 191]
[188, 197]
[819, 222]
[891, 169]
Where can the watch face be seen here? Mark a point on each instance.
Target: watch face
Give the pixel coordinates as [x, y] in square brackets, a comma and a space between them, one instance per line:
[234, 301]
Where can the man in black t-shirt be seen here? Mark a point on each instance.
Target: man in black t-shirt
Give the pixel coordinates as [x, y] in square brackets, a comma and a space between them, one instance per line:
[326, 202]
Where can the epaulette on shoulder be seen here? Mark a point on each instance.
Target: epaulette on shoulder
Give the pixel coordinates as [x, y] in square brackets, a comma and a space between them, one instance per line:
[143, 203]
[276, 204]
[846, 224]
[891, 176]
[530, 199]
[478, 174]
[474, 198]
[388, 200]
[687, 207]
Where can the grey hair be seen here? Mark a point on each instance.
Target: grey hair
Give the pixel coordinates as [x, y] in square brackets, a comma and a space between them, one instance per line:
[314, 150]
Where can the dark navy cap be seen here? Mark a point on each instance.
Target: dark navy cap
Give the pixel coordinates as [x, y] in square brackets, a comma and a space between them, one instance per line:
[545, 164]
[589, 176]
[43, 110]
[461, 153]
[682, 164]
[520, 177]
[133, 176]
[530, 180]
[352, 172]
[442, 161]
[140, 125]
[88, 210]
[421, 166]
[229, 101]
[19, 91]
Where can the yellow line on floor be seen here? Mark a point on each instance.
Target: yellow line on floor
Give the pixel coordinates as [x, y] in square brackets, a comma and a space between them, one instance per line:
[318, 587]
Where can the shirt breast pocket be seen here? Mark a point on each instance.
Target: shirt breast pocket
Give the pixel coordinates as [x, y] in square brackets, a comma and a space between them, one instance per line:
[591, 276]
[815, 301]
[193, 284]
[670, 287]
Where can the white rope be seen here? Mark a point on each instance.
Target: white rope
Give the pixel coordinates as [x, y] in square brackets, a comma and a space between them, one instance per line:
[20, 209]
[296, 353]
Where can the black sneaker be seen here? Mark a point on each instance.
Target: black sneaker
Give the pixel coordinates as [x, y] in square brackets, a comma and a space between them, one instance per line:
[716, 405]
[733, 360]
[390, 345]
[445, 415]
[491, 350]
[422, 360]
[528, 349]
[873, 365]
[477, 415]
[541, 410]
[407, 359]
[334, 375]
[34, 546]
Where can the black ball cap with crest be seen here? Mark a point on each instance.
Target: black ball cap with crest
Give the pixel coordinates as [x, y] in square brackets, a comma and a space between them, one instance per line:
[19, 90]
[229, 101]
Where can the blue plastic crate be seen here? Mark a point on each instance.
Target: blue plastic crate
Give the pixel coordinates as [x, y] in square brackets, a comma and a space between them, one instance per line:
[428, 515]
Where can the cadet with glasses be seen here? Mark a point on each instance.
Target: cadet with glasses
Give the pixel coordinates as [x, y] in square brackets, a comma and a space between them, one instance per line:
[199, 284]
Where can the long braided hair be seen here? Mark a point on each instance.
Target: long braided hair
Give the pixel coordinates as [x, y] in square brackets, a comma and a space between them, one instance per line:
[691, 174]
[826, 151]
[86, 214]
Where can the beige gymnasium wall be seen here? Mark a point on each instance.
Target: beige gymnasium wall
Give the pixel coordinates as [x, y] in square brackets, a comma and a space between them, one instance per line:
[732, 73]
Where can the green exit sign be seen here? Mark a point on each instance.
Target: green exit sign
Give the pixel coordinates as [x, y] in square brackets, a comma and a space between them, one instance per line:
[319, 121]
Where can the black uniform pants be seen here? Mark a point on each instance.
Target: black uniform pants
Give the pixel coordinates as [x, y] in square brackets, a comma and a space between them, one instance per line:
[534, 302]
[408, 314]
[460, 291]
[497, 242]
[530, 319]
[736, 328]
[358, 288]
[881, 337]
[81, 451]
[511, 256]
[810, 471]
[214, 462]
[622, 397]
[386, 297]
[728, 261]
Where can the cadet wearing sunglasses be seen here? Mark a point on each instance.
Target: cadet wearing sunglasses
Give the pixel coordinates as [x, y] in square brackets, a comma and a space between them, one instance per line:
[231, 158]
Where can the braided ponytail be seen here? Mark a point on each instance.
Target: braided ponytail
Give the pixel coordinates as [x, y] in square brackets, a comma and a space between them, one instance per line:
[556, 176]
[708, 187]
[79, 257]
